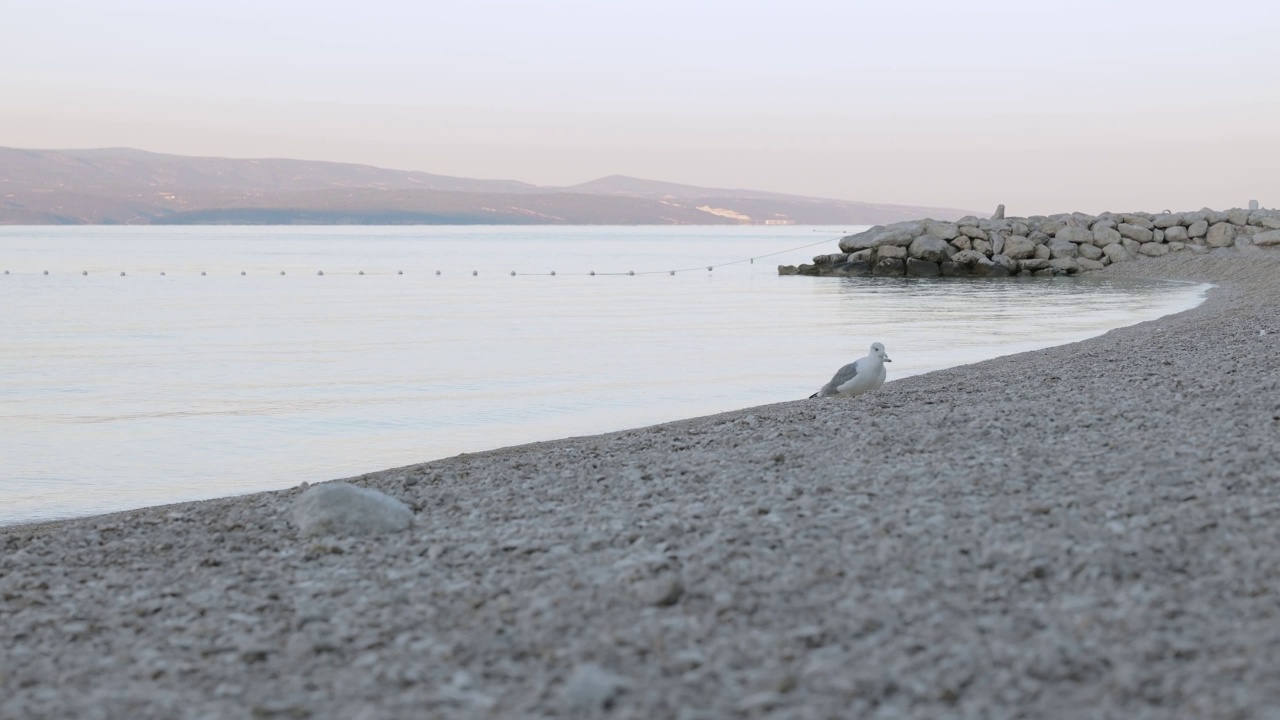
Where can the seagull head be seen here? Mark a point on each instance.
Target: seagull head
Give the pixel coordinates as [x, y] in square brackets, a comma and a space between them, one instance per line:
[878, 350]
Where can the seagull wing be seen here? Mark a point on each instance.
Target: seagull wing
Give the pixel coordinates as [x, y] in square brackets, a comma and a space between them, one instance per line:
[842, 376]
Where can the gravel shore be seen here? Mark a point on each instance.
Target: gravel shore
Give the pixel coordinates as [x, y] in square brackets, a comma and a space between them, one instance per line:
[1087, 531]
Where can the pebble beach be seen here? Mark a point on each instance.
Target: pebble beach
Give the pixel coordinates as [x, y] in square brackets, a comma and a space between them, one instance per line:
[1086, 531]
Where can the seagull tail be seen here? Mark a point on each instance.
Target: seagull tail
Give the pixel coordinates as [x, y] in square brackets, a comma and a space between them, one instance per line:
[813, 396]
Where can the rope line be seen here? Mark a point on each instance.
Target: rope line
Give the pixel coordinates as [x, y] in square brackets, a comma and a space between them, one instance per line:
[688, 269]
[629, 273]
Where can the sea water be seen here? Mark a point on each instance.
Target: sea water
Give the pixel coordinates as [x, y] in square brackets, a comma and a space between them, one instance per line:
[154, 365]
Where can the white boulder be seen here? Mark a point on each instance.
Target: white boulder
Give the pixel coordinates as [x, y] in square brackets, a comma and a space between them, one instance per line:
[343, 509]
[1136, 233]
[1268, 238]
[1222, 234]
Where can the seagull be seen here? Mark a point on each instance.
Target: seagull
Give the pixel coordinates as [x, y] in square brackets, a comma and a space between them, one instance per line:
[859, 376]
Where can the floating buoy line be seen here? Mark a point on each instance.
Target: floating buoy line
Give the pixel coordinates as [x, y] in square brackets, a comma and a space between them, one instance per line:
[553, 273]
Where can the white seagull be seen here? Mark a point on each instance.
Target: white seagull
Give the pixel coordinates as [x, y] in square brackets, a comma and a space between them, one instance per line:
[861, 375]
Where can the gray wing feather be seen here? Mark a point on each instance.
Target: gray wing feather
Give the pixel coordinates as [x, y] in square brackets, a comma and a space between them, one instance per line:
[842, 376]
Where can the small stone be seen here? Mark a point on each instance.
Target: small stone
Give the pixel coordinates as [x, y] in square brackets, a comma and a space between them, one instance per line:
[592, 689]
[662, 591]
[1198, 229]
[344, 509]
[1154, 249]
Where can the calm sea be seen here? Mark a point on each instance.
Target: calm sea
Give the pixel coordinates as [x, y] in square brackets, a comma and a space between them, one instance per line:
[204, 371]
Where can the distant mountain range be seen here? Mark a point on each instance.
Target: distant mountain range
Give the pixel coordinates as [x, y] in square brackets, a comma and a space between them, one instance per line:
[124, 186]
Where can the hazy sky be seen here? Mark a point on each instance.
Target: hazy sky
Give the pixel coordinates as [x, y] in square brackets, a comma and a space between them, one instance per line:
[1039, 104]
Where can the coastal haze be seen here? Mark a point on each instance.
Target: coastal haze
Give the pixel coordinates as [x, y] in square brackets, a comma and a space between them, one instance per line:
[1088, 106]
[132, 187]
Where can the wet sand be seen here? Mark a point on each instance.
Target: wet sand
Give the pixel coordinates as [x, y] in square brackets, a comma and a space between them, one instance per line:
[1091, 530]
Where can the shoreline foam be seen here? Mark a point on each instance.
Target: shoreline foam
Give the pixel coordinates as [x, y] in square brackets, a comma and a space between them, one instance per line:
[1089, 529]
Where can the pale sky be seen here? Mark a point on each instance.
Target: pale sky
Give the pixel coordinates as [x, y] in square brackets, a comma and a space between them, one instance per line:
[1043, 105]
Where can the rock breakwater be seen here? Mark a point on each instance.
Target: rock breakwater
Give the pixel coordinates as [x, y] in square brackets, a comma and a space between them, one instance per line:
[1039, 245]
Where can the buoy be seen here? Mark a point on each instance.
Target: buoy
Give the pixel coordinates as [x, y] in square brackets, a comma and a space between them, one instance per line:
[513, 273]
[475, 272]
[593, 272]
[121, 273]
[162, 272]
[361, 272]
[673, 272]
[319, 272]
[241, 272]
[553, 272]
[202, 272]
[281, 272]
[86, 272]
[709, 268]
[631, 272]
[46, 272]
[399, 272]
[437, 272]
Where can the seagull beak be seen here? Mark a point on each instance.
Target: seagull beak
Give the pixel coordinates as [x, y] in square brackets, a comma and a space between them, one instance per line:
[886, 359]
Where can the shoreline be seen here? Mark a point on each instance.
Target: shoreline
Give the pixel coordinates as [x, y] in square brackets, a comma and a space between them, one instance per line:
[1086, 526]
[1014, 348]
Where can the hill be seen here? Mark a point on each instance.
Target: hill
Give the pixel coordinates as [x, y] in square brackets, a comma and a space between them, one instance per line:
[127, 186]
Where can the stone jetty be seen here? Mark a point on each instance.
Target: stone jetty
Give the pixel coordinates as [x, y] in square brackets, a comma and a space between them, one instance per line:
[1040, 245]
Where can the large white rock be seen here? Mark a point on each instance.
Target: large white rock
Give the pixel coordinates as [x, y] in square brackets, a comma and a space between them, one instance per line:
[933, 249]
[344, 509]
[943, 231]
[1073, 234]
[1136, 233]
[900, 234]
[1269, 222]
[1154, 249]
[1061, 249]
[969, 257]
[1065, 264]
[1104, 235]
[1086, 264]
[1268, 238]
[1238, 216]
[973, 231]
[1019, 248]
[1221, 234]
[1166, 220]
[1198, 229]
[1089, 252]
[1116, 253]
[1176, 233]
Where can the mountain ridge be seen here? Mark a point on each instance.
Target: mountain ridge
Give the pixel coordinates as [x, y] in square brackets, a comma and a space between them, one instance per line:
[131, 186]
